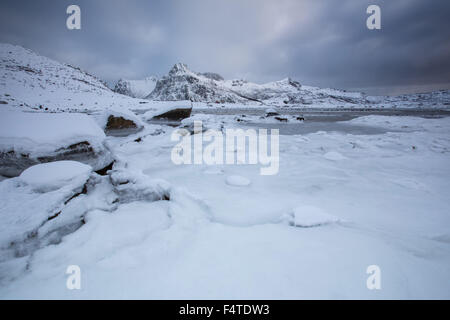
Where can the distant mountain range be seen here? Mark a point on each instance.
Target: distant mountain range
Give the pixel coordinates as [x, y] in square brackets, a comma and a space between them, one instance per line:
[29, 80]
[183, 84]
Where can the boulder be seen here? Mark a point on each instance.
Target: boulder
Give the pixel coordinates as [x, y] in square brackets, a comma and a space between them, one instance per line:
[27, 139]
[120, 126]
[119, 122]
[271, 112]
[175, 114]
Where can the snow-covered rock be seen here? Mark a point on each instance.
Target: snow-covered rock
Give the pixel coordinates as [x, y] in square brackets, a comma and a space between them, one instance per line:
[27, 139]
[37, 196]
[175, 112]
[50, 176]
[136, 88]
[119, 122]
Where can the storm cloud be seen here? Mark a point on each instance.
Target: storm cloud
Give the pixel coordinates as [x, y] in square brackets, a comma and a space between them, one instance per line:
[324, 43]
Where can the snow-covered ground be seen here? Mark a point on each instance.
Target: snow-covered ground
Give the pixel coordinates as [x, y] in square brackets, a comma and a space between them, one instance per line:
[339, 203]
[370, 191]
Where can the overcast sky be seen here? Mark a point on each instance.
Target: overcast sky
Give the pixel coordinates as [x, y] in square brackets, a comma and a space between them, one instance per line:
[324, 43]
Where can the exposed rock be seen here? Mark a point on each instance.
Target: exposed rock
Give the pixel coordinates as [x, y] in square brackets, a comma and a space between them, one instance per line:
[13, 164]
[119, 126]
[175, 114]
[104, 171]
[271, 112]
[281, 119]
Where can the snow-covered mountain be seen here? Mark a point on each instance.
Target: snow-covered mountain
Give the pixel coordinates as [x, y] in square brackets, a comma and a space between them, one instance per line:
[31, 81]
[136, 88]
[183, 84]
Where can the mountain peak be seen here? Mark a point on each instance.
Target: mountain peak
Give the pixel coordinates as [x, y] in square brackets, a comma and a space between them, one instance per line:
[179, 68]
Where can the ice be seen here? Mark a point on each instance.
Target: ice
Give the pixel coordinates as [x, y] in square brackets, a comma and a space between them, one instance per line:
[54, 175]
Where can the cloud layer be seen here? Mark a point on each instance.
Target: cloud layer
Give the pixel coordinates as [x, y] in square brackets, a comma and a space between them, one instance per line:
[324, 43]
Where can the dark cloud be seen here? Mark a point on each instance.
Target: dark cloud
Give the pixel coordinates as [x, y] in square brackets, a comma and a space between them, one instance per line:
[323, 43]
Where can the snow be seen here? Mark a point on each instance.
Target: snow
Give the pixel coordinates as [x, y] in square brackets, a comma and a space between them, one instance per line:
[238, 181]
[333, 156]
[54, 175]
[310, 216]
[43, 133]
[30, 200]
[212, 240]
[155, 230]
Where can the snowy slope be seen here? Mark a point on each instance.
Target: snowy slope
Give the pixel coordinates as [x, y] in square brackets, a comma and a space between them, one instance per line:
[136, 88]
[31, 81]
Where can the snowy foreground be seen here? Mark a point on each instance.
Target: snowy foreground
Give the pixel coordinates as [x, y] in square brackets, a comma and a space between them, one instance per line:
[151, 229]
[369, 191]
